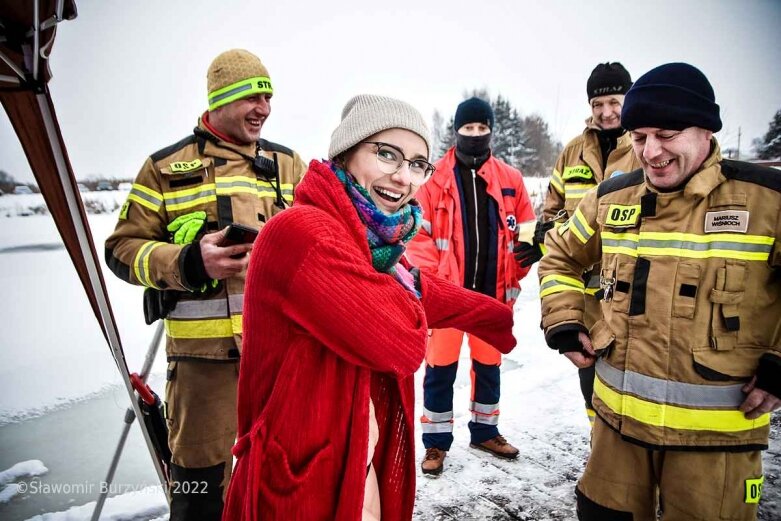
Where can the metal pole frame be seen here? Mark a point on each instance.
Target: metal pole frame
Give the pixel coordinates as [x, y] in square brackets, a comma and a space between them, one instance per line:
[130, 415]
[82, 231]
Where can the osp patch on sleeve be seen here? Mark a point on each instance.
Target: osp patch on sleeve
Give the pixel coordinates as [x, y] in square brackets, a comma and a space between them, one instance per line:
[754, 490]
[622, 215]
[726, 221]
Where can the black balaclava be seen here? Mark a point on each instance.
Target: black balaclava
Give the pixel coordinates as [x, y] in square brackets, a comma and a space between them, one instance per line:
[473, 151]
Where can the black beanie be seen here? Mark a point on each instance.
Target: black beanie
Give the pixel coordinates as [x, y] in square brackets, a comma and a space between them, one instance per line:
[607, 79]
[473, 110]
[673, 96]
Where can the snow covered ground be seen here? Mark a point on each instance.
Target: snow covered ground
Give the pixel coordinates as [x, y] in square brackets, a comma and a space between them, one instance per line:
[61, 402]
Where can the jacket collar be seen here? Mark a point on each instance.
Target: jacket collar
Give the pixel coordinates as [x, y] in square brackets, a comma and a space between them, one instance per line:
[708, 177]
[217, 147]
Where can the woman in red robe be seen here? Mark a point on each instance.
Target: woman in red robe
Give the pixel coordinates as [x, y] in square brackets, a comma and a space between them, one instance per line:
[335, 325]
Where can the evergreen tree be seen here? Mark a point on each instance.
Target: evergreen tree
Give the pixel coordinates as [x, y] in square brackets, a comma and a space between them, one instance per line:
[769, 147]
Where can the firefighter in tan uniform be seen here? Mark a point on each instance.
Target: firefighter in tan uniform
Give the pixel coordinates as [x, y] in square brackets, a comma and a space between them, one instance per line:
[688, 352]
[168, 239]
[602, 151]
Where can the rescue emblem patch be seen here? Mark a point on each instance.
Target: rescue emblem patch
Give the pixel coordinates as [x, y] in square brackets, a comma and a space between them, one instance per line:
[512, 222]
[726, 221]
[754, 490]
[622, 216]
[186, 166]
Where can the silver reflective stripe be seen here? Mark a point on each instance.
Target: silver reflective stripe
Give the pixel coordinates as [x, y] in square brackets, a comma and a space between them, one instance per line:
[145, 196]
[230, 93]
[442, 244]
[217, 308]
[558, 282]
[700, 246]
[433, 428]
[665, 391]
[582, 229]
[593, 282]
[146, 250]
[226, 183]
[204, 192]
[484, 408]
[493, 419]
[438, 416]
[426, 225]
[512, 294]
[236, 303]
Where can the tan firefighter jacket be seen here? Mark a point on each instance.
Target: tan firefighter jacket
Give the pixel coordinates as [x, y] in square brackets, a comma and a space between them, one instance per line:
[692, 301]
[578, 170]
[199, 172]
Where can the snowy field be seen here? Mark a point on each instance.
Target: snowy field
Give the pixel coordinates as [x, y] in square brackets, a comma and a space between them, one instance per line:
[61, 403]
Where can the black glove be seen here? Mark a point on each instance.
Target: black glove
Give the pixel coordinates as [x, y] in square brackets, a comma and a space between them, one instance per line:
[527, 254]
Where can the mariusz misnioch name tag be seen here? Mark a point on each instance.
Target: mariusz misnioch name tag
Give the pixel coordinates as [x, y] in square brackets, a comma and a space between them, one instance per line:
[726, 221]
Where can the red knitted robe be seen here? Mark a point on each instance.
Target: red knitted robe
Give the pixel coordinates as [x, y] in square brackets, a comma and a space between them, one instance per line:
[323, 332]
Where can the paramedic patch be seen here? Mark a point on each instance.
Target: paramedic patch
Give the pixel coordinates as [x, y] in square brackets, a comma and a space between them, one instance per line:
[726, 221]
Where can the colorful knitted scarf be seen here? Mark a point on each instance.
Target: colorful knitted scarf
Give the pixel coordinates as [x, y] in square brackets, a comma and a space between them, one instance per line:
[386, 233]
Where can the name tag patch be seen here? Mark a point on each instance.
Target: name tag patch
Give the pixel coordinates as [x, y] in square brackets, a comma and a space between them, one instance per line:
[622, 216]
[726, 221]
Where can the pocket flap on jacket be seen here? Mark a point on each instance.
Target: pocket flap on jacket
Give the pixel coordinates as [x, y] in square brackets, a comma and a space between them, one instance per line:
[736, 364]
[602, 336]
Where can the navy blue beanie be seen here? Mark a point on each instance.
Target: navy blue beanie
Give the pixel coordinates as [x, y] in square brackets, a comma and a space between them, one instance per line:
[473, 110]
[673, 96]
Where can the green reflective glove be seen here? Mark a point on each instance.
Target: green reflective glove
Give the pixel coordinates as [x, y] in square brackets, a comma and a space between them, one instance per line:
[186, 227]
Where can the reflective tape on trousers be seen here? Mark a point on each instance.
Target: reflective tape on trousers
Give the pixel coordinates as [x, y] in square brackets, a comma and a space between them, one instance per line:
[438, 416]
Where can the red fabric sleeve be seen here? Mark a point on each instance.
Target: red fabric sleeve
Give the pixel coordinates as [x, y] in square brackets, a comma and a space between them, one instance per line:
[364, 316]
[449, 305]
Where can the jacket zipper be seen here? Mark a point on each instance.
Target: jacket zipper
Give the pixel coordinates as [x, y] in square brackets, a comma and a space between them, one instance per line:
[477, 228]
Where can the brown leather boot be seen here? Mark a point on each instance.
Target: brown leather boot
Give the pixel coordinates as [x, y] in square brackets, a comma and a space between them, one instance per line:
[433, 462]
[498, 446]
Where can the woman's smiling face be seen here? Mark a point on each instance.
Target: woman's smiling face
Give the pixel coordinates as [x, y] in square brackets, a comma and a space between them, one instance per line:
[388, 191]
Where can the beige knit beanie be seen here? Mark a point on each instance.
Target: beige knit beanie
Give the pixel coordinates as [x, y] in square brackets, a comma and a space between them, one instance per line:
[366, 114]
[234, 75]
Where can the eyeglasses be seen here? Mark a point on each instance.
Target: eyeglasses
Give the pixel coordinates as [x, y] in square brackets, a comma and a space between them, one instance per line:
[390, 158]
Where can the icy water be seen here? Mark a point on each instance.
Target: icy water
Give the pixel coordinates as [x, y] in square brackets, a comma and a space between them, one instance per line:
[76, 445]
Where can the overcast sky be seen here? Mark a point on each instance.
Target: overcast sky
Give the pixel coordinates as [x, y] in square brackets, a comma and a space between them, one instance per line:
[130, 76]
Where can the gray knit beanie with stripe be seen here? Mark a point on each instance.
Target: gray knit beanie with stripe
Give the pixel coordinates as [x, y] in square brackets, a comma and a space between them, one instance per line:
[366, 114]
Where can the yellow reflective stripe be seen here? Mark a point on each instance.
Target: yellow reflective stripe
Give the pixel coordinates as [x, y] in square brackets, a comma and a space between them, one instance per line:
[556, 182]
[674, 417]
[577, 190]
[551, 284]
[592, 291]
[689, 245]
[145, 197]
[209, 328]
[141, 263]
[238, 90]
[266, 189]
[190, 197]
[579, 226]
